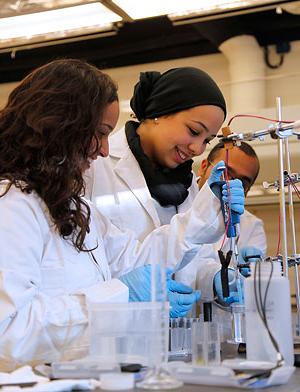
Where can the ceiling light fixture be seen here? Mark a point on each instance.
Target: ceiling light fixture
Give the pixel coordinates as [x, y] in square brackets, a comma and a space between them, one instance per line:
[54, 24]
[177, 8]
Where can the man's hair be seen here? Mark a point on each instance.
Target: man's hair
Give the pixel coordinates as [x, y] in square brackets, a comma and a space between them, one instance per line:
[245, 147]
[46, 133]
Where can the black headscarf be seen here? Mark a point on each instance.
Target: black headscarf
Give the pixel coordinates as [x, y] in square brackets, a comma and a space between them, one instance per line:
[159, 94]
[178, 89]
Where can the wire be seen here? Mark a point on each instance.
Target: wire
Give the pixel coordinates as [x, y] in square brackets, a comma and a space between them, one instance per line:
[294, 186]
[260, 117]
[267, 59]
[261, 304]
[228, 187]
[296, 190]
[225, 234]
[261, 307]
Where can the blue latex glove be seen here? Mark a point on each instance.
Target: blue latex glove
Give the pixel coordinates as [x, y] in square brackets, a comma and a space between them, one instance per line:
[237, 193]
[216, 173]
[234, 295]
[180, 296]
[244, 257]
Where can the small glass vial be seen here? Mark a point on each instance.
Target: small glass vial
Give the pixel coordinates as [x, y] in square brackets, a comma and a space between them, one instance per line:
[206, 339]
[237, 323]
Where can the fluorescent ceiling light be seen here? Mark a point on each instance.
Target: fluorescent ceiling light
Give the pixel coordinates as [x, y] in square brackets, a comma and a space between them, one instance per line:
[18, 7]
[58, 23]
[138, 9]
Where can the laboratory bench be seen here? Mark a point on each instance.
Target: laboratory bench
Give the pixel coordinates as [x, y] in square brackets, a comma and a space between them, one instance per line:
[292, 386]
[231, 351]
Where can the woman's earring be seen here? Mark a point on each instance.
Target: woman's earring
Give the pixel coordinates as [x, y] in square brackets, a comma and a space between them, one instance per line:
[156, 121]
[61, 162]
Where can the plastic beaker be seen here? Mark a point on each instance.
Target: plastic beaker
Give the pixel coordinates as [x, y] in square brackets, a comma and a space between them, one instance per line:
[205, 344]
[126, 332]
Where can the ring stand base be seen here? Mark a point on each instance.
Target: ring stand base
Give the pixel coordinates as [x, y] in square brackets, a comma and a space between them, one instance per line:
[159, 379]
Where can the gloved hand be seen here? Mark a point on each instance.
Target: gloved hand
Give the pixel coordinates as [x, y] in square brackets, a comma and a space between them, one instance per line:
[216, 172]
[180, 296]
[234, 295]
[248, 254]
[237, 193]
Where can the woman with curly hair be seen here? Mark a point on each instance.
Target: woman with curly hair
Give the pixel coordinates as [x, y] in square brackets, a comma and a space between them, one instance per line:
[55, 122]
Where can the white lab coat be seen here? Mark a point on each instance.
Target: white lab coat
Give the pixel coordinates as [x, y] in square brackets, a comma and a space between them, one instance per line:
[45, 282]
[118, 188]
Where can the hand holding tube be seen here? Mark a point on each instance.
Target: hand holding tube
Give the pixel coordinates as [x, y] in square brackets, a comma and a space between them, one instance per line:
[181, 298]
[248, 254]
[235, 195]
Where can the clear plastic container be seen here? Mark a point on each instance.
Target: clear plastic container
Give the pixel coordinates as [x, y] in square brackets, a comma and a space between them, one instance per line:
[205, 344]
[127, 332]
[82, 368]
[278, 314]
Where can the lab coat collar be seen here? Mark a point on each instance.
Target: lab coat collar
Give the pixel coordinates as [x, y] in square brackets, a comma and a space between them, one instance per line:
[118, 145]
[128, 169]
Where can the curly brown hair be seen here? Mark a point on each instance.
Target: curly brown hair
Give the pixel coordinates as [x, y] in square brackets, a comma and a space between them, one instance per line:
[46, 130]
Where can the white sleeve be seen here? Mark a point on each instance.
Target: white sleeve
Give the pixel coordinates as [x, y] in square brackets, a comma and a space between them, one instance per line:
[253, 233]
[35, 327]
[171, 244]
[199, 274]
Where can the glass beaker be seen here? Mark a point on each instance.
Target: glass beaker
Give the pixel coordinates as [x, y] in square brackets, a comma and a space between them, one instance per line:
[238, 326]
[157, 377]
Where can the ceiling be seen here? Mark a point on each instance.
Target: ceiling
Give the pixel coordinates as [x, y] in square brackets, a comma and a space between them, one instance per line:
[156, 39]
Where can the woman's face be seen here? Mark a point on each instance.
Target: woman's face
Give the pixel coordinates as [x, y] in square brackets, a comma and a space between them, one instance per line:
[174, 139]
[99, 145]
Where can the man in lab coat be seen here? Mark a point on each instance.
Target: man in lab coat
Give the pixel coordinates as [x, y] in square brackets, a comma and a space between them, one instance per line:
[243, 163]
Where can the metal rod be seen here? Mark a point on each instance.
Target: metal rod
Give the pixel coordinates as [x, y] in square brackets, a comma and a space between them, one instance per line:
[290, 197]
[282, 195]
[281, 131]
[293, 232]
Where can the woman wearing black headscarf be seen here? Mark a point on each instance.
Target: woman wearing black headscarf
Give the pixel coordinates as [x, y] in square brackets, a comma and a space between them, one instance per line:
[148, 178]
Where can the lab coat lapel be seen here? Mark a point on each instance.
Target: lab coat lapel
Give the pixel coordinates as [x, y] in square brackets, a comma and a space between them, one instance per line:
[128, 169]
